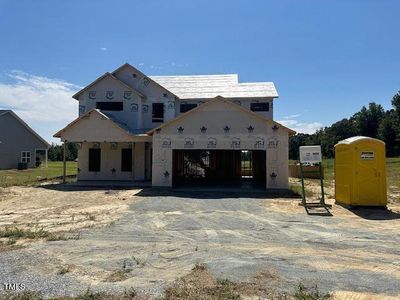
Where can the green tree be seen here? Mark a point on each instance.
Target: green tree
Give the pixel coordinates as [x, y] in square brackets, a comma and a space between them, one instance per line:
[372, 121]
[387, 133]
[367, 120]
[55, 152]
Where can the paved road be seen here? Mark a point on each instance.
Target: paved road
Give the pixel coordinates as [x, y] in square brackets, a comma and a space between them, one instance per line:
[162, 237]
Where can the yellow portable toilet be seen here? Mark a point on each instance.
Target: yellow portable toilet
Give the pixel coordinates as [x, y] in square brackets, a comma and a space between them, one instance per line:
[360, 172]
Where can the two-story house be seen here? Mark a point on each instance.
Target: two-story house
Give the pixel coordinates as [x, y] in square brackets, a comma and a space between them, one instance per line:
[177, 130]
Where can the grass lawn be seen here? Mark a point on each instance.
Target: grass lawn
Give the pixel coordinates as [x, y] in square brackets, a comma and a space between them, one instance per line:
[35, 175]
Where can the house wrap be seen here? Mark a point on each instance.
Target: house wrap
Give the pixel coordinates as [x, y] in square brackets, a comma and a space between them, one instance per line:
[179, 130]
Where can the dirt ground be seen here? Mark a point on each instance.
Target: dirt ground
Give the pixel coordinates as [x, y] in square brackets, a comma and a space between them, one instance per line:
[60, 209]
[146, 239]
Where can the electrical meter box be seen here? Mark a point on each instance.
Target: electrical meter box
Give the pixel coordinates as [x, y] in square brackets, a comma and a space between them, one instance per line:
[360, 172]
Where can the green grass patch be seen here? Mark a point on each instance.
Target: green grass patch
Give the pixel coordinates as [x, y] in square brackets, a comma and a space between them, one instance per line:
[305, 293]
[34, 176]
[14, 233]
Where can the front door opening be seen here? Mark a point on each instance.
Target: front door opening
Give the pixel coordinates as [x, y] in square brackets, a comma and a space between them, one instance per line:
[236, 168]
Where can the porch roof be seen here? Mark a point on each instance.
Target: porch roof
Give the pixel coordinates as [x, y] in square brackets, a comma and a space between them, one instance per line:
[95, 126]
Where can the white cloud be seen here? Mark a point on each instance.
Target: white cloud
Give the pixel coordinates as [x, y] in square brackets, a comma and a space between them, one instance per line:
[103, 49]
[44, 103]
[299, 126]
[141, 64]
[295, 116]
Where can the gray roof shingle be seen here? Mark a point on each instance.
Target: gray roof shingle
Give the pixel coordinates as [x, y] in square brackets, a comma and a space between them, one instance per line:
[211, 86]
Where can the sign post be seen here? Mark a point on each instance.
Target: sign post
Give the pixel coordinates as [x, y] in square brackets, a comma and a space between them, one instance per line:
[311, 155]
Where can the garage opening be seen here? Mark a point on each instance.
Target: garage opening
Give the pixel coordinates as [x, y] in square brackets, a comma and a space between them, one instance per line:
[236, 168]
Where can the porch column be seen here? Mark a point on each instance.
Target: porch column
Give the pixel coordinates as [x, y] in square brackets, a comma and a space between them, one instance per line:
[64, 161]
[139, 161]
[46, 156]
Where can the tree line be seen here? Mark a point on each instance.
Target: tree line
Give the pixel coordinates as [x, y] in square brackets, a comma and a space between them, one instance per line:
[55, 152]
[372, 121]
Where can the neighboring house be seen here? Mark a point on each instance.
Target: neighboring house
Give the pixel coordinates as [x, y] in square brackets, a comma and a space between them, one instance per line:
[19, 142]
[207, 129]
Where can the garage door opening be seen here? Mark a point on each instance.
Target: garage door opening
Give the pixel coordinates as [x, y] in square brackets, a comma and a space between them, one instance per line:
[236, 168]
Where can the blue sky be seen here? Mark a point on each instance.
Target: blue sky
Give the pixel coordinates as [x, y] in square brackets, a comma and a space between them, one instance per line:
[327, 58]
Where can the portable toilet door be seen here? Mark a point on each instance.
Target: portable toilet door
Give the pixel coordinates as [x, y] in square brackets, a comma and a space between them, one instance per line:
[370, 173]
[367, 178]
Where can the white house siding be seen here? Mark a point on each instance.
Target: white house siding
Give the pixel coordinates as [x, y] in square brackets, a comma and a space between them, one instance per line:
[215, 117]
[244, 102]
[111, 160]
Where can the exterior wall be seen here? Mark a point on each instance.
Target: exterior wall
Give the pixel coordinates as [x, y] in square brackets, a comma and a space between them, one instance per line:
[137, 113]
[244, 102]
[215, 117]
[98, 93]
[278, 159]
[111, 159]
[14, 140]
[154, 94]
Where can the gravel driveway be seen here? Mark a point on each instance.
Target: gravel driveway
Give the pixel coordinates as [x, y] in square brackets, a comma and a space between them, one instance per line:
[162, 236]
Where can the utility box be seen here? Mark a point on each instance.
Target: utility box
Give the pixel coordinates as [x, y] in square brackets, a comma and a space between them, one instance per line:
[360, 172]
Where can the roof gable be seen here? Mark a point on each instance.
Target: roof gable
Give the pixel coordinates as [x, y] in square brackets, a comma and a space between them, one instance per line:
[219, 101]
[141, 74]
[22, 122]
[106, 75]
[111, 125]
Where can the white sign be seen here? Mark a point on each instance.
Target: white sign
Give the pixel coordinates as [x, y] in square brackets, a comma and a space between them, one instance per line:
[310, 154]
[367, 155]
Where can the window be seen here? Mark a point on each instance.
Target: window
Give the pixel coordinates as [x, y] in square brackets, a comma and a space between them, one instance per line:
[112, 106]
[94, 159]
[158, 112]
[126, 160]
[26, 157]
[187, 106]
[260, 106]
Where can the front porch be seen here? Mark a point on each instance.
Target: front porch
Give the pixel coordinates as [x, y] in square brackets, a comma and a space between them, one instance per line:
[114, 161]
[107, 150]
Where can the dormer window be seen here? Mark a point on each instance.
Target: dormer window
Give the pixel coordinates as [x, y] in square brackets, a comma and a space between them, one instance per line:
[259, 106]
